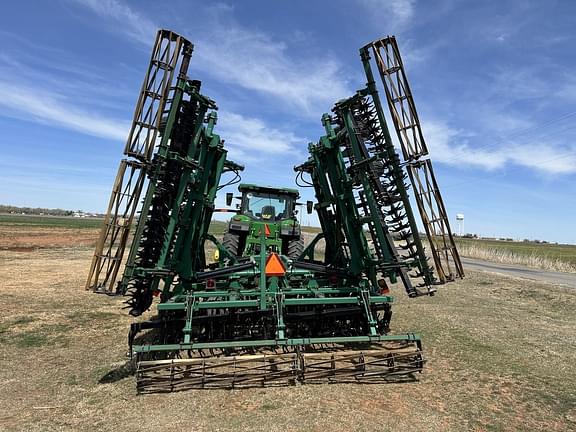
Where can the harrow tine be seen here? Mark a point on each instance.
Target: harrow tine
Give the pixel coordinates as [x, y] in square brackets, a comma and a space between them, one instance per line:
[279, 369]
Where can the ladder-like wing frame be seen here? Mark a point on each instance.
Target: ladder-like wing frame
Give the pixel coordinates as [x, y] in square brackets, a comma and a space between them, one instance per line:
[171, 53]
[415, 151]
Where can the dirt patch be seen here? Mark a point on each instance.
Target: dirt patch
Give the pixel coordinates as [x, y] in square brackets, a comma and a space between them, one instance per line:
[20, 248]
[30, 238]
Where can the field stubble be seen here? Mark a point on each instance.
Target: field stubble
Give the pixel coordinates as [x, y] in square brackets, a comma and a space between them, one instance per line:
[550, 257]
[500, 357]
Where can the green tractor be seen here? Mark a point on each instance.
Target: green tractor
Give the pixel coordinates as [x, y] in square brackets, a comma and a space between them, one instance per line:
[267, 210]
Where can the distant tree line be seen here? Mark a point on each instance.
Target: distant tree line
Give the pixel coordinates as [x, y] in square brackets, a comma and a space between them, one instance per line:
[34, 211]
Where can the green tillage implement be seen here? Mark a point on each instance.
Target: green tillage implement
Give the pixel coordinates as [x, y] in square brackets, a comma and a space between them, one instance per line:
[266, 317]
[244, 328]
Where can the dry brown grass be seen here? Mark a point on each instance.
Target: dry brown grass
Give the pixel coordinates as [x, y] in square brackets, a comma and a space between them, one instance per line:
[500, 357]
[534, 260]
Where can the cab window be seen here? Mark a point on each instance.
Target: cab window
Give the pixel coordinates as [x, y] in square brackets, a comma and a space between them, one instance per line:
[266, 207]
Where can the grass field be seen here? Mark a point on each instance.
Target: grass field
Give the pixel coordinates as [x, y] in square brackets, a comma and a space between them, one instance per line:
[500, 358]
[556, 257]
[49, 221]
[11, 220]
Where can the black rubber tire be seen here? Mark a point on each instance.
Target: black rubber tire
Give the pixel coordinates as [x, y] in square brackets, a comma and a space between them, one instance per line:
[295, 247]
[231, 242]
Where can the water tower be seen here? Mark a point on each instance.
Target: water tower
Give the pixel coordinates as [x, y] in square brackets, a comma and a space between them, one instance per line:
[460, 222]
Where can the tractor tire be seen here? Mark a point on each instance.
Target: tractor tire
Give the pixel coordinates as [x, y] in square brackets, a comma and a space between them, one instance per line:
[231, 242]
[295, 248]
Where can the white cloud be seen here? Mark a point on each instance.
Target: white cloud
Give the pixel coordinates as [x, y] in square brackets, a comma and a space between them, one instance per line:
[134, 24]
[448, 145]
[546, 158]
[393, 14]
[254, 61]
[247, 58]
[253, 142]
[451, 146]
[31, 103]
[245, 136]
[403, 10]
[253, 135]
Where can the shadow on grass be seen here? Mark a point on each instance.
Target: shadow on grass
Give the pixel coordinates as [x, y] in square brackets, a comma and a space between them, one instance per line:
[126, 370]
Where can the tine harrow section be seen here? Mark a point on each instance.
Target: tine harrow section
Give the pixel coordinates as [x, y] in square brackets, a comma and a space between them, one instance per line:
[407, 124]
[114, 233]
[435, 221]
[399, 97]
[171, 53]
[381, 365]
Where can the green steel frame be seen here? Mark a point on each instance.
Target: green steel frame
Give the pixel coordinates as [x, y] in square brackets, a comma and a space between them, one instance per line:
[344, 168]
[253, 290]
[191, 209]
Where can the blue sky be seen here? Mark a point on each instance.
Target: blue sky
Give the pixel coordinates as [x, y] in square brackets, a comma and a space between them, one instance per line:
[494, 84]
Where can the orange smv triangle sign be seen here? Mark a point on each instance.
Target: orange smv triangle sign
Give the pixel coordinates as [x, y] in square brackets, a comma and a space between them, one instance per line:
[274, 265]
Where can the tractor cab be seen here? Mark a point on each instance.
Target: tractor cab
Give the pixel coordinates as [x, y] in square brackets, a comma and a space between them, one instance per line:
[264, 209]
[267, 204]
